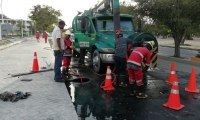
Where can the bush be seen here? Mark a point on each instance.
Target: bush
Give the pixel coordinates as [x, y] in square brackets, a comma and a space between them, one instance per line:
[198, 55]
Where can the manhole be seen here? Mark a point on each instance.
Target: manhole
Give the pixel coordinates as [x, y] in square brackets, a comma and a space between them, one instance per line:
[81, 81]
[78, 80]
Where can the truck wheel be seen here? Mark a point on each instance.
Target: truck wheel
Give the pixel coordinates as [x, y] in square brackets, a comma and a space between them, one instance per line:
[98, 66]
[76, 54]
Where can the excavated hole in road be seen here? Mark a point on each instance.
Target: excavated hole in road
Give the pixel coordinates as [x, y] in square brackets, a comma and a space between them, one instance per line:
[83, 80]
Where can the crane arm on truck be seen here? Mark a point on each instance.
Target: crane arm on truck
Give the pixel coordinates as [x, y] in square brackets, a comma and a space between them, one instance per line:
[105, 5]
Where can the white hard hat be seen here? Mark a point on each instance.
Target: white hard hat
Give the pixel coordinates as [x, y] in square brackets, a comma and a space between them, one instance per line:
[68, 32]
[150, 44]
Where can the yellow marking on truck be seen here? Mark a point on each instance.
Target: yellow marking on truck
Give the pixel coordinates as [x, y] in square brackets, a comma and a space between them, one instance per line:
[153, 58]
[155, 63]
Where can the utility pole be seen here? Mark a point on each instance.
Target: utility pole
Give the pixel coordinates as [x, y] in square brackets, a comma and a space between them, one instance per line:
[22, 29]
[1, 20]
[2, 12]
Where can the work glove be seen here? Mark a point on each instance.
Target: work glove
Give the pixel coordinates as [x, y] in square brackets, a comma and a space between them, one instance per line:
[72, 47]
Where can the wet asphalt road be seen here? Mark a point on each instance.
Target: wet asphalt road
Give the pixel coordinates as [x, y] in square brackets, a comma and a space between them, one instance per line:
[93, 103]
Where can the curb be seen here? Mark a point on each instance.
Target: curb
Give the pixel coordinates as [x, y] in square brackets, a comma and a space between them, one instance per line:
[11, 44]
[180, 47]
[180, 60]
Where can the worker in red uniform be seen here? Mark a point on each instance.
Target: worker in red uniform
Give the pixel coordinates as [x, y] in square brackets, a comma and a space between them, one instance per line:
[45, 35]
[67, 53]
[135, 69]
[121, 44]
[37, 35]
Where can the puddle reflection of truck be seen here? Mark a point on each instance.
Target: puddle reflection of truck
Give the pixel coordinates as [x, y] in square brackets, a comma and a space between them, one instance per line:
[94, 31]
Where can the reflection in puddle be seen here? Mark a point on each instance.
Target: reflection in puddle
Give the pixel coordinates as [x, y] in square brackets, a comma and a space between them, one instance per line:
[90, 102]
[72, 90]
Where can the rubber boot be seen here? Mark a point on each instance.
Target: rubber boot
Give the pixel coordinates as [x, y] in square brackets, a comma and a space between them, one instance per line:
[116, 83]
[140, 92]
[132, 91]
[121, 80]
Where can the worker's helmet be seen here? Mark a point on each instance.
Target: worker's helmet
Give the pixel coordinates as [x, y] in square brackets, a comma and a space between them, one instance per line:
[37, 31]
[63, 35]
[149, 45]
[119, 33]
[68, 32]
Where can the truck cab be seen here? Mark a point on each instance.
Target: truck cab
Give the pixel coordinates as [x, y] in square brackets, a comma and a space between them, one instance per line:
[96, 35]
[94, 31]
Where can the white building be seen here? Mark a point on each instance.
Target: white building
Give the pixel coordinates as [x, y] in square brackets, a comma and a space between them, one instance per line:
[15, 28]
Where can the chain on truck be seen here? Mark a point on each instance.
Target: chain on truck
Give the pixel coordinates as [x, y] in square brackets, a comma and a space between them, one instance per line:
[94, 31]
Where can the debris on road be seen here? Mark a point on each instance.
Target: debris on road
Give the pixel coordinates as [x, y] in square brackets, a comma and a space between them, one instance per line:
[26, 79]
[14, 97]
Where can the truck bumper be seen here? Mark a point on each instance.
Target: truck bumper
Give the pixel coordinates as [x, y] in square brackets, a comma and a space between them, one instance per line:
[107, 58]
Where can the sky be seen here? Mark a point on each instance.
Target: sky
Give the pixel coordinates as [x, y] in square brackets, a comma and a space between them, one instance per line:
[19, 9]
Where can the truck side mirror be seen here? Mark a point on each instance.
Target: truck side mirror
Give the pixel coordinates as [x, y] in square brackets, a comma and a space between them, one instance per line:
[83, 23]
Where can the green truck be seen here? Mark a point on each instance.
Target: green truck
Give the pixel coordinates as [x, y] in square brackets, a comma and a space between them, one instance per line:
[94, 31]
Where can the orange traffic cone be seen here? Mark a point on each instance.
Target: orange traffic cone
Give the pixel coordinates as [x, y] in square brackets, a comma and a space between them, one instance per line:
[174, 98]
[108, 80]
[192, 83]
[35, 67]
[172, 76]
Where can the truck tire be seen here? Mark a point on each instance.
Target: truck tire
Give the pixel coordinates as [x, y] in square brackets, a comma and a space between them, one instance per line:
[75, 54]
[98, 65]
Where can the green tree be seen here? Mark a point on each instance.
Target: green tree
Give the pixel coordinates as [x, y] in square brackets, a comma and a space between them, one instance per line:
[12, 22]
[31, 27]
[20, 25]
[44, 16]
[177, 15]
[127, 7]
[4, 16]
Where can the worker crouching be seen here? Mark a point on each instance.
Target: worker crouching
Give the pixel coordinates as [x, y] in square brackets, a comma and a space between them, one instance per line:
[135, 70]
[67, 53]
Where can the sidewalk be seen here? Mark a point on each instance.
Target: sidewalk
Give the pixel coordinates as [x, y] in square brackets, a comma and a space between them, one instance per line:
[49, 100]
[5, 43]
[190, 44]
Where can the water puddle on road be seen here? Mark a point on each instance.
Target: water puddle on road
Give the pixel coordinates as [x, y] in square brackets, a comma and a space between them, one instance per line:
[93, 103]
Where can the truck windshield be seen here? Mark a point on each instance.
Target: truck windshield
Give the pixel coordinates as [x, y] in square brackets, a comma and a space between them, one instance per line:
[105, 24]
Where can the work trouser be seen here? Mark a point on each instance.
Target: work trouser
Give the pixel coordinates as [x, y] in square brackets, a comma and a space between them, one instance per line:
[66, 62]
[45, 39]
[82, 56]
[120, 65]
[37, 38]
[135, 75]
[58, 63]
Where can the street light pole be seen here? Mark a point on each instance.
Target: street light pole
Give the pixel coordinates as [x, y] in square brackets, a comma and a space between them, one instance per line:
[22, 29]
[2, 12]
[1, 20]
